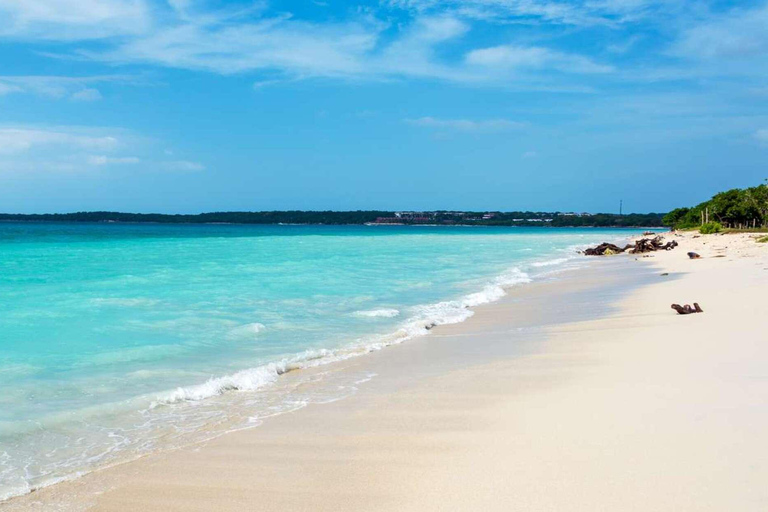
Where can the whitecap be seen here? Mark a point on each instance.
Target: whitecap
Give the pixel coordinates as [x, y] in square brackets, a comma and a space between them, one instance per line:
[378, 313]
[247, 330]
[549, 263]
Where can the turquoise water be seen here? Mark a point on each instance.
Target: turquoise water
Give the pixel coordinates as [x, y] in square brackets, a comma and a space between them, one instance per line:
[115, 337]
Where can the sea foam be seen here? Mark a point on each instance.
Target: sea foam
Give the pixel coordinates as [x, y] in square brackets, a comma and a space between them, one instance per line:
[378, 313]
[424, 318]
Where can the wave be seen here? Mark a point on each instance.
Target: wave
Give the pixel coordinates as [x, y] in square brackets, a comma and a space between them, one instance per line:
[549, 263]
[420, 321]
[247, 330]
[101, 301]
[424, 319]
[378, 313]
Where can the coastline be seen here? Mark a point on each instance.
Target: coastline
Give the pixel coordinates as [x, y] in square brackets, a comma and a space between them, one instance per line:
[163, 417]
[494, 392]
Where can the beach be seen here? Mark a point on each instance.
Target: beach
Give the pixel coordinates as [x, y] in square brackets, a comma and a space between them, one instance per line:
[583, 393]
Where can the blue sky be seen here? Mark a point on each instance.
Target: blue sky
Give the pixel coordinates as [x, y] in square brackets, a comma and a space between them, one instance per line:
[194, 105]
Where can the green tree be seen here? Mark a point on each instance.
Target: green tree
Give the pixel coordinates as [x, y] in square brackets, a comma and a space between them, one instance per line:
[674, 217]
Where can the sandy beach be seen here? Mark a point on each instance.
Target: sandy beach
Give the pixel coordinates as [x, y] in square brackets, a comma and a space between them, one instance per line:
[581, 393]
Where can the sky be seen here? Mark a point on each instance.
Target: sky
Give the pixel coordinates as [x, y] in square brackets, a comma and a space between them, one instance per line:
[184, 106]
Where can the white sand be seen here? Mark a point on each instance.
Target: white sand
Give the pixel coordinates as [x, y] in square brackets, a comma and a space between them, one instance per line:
[642, 410]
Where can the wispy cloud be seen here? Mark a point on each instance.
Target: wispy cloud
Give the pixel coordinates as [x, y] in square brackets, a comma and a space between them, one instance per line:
[72, 19]
[278, 43]
[89, 94]
[609, 13]
[466, 125]
[106, 160]
[762, 135]
[367, 45]
[20, 140]
[512, 57]
[74, 88]
[446, 40]
[40, 149]
[624, 46]
[183, 165]
[738, 34]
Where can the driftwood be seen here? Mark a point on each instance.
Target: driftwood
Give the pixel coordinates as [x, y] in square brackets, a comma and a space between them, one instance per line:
[605, 249]
[640, 246]
[687, 309]
[653, 244]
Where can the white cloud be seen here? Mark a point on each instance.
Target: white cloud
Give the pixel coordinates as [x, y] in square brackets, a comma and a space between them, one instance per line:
[588, 13]
[184, 165]
[529, 154]
[89, 94]
[738, 34]
[466, 125]
[412, 54]
[288, 49]
[280, 43]
[517, 57]
[75, 88]
[623, 47]
[107, 160]
[6, 88]
[285, 48]
[75, 149]
[20, 140]
[71, 19]
[762, 135]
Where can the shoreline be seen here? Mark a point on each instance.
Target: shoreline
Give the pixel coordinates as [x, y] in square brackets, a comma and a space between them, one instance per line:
[661, 229]
[305, 365]
[435, 388]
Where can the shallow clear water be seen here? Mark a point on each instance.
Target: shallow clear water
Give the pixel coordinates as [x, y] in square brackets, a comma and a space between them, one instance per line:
[113, 337]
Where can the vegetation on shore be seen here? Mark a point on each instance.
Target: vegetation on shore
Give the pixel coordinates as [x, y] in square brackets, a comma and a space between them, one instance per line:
[553, 219]
[736, 209]
[709, 228]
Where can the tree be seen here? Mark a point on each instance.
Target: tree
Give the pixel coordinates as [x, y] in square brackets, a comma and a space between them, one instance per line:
[674, 217]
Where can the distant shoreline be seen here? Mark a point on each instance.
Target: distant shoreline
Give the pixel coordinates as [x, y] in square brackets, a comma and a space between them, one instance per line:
[351, 218]
[367, 224]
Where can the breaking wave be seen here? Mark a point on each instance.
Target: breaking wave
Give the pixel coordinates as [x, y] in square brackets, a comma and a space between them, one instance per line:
[378, 313]
[424, 318]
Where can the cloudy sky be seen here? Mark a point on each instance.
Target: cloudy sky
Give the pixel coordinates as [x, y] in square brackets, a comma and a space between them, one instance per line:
[196, 105]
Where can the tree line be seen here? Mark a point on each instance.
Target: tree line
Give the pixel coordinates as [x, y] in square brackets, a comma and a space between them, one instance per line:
[739, 208]
[553, 219]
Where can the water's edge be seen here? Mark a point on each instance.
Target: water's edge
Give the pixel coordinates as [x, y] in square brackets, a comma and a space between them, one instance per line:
[259, 378]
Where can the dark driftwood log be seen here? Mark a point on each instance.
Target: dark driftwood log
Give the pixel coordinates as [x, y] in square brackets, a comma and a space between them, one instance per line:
[687, 309]
[604, 248]
[640, 246]
[652, 244]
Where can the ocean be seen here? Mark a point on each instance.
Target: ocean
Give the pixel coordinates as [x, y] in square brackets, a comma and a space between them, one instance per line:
[120, 339]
